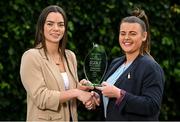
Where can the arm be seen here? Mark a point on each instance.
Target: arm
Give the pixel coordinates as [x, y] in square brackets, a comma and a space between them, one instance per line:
[32, 78]
[33, 81]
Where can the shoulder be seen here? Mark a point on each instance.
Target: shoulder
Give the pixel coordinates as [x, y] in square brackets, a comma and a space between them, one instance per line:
[31, 55]
[31, 52]
[149, 62]
[116, 62]
[118, 59]
[71, 57]
[70, 53]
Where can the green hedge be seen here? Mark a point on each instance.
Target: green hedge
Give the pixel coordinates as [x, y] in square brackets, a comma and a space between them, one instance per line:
[88, 21]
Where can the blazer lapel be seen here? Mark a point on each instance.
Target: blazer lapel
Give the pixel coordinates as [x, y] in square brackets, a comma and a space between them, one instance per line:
[127, 74]
[54, 70]
[114, 67]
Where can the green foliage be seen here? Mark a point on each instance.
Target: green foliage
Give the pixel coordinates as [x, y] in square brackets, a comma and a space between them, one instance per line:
[88, 21]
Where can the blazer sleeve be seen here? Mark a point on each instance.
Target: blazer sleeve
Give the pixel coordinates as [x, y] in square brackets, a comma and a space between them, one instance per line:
[33, 81]
[149, 102]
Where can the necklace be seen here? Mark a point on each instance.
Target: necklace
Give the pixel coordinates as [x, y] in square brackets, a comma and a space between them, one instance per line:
[58, 63]
[57, 60]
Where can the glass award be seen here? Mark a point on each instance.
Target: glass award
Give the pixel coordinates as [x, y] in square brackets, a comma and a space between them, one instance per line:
[95, 65]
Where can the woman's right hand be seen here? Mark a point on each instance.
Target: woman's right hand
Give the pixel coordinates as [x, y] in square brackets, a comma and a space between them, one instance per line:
[84, 96]
[95, 101]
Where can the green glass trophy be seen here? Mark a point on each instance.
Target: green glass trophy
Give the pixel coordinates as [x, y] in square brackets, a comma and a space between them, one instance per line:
[95, 65]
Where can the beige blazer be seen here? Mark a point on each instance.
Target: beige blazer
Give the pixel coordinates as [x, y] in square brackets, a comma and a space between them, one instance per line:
[43, 83]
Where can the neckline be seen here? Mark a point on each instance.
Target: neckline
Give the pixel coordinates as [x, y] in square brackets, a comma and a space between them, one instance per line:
[126, 64]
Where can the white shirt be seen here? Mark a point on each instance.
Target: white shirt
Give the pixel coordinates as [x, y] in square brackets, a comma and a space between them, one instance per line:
[112, 79]
[66, 80]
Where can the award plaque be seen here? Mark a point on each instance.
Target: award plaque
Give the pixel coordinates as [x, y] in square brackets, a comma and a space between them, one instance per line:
[95, 65]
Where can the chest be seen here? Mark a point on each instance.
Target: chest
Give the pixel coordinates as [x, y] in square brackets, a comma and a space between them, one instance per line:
[53, 76]
[132, 80]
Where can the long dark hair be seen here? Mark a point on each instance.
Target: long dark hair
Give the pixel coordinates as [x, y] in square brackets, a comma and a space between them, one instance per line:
[40, 38]
[139, 16]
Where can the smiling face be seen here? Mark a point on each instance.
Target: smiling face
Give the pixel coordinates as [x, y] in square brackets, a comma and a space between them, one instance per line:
[54, 27]
[131, 37]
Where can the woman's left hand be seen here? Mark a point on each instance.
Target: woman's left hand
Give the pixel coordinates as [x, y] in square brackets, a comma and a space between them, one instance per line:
[110, 91]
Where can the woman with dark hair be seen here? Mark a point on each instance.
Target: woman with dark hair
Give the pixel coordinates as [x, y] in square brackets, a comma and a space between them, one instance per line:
[134, 83]
[49, 71]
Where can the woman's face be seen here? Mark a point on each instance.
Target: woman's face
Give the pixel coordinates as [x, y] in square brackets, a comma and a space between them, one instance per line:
[131, 37]
[54, 27]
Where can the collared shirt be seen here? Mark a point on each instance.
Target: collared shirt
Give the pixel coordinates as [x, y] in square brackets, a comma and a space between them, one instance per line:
[112, 79]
